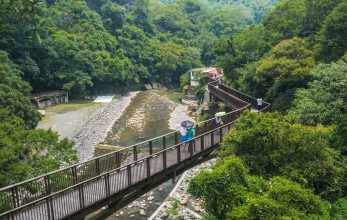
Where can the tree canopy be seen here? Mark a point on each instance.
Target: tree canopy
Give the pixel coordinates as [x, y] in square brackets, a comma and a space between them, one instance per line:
[29, 153]
[230, 192]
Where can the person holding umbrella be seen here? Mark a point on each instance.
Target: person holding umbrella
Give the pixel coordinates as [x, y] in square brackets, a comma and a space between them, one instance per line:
[219, 121]
[184, 134]
[185, 125]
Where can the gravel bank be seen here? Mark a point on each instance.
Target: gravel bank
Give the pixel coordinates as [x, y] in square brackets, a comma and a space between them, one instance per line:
[96, 129]
[180, 201]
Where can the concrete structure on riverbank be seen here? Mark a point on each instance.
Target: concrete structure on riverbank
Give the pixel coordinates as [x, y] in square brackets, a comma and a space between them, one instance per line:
[46, 99]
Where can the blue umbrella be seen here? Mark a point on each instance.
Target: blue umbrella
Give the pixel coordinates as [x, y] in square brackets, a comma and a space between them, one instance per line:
[187, 124]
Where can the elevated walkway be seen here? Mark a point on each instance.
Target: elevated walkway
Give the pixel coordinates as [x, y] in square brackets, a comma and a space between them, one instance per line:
[118, 177]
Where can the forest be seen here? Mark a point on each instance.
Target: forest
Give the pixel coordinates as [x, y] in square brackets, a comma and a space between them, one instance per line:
[289, 164]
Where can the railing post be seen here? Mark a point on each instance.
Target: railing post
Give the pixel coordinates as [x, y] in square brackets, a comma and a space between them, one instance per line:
[135, 152]
[150, 145]
[164, 153]
[176, 137]
[220, 134]
[107, 185]
[164, 142]
[164, 160]
[212, 138]
[51, 206]
[81, 196]
[48, 191]
[74, 175]
[118, 160]
[97, 166]
[148, 167]
[191, 148]
[202, 141]
[179, 153]
[205, 127]
[129, 175]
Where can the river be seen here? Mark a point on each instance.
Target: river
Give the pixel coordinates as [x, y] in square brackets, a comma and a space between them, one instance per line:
[146, 117]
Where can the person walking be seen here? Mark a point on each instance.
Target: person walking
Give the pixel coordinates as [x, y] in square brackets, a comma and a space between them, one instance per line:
[218, 122]
[191, 135]
[184, 135]
[260, 104]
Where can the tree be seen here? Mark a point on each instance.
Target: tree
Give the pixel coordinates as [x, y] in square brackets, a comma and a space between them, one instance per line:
[241, 49]
[339, 209]
[28, 153]
[229, 192]
[200, 88]
[270, 145]
[286, 68]
[286, 18]
[15, 93]
[324, 101]
[170, 59]
[316, 12]
[332, 41]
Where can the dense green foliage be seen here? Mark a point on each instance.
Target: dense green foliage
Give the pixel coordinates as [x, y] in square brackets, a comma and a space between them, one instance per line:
[295, 58]
[273, 168]
[15, 93]
[285, 170]
[28, 153]
[230, 192]
[92, 47]
[324, 101]
[298, 34]
[89, 47]
[271, 145]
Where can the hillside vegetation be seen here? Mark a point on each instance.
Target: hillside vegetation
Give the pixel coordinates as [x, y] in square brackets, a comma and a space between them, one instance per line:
[290, 164]
[296, 59]
[91, 47]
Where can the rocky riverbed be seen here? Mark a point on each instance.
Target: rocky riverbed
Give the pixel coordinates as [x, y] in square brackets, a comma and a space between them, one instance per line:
[180, 204]
[96, 129]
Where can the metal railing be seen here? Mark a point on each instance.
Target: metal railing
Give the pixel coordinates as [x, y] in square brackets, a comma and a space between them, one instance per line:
[51, 194]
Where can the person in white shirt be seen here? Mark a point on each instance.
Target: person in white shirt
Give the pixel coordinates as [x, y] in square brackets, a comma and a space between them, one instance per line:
[260, 103]
[218, 121]
[184, 134]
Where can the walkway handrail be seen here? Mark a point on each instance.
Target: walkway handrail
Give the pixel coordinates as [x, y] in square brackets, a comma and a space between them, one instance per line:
[37, 189]
[253, 101]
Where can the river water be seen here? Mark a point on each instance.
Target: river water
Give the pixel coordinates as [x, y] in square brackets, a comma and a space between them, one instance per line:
[146, 117]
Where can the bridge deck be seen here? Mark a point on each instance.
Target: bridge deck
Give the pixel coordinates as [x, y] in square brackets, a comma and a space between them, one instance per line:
[70, 202]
